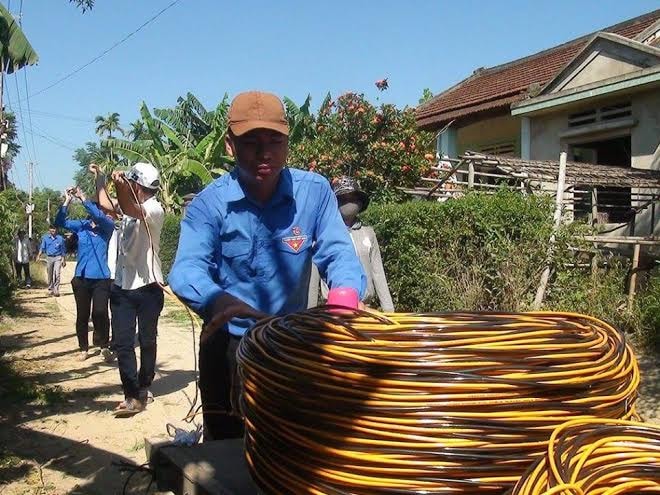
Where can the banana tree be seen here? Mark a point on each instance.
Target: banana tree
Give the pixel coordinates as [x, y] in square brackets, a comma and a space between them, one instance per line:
[176, 155]
[16, 52]
[301, 120]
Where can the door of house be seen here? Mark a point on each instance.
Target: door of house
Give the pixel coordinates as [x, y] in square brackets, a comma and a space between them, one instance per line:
[614, 203]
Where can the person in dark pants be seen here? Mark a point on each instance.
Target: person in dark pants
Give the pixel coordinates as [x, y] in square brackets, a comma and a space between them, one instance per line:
[22, 255]
[136, 294]
[144, 305]
[246, 249]
[91, 283]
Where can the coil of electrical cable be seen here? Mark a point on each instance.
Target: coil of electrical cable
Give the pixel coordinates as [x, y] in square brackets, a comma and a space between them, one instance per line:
[463, 403]
[596, 457]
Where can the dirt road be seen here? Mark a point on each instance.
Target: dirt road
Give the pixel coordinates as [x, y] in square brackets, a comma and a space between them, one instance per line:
[67, 440]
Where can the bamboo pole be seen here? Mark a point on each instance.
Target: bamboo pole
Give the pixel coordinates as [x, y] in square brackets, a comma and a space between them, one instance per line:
[545, 276]
[633, 276]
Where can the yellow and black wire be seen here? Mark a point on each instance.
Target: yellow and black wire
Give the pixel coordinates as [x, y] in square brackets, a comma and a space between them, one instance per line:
[596, 457]
[360, 403]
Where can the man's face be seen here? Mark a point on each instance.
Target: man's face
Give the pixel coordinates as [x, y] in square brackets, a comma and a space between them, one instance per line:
[261, 155]
[52, 232]
[350, 206]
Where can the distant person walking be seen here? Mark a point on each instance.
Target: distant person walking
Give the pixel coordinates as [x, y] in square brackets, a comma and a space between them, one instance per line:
[52, 245]
[22, 254]
[91, 283]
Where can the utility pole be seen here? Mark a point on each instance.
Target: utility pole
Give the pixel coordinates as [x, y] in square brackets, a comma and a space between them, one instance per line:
[30, 206]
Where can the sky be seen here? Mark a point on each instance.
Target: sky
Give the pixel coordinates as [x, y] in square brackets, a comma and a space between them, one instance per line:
[290, 47]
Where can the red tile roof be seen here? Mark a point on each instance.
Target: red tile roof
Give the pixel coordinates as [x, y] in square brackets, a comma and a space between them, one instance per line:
[499, 86]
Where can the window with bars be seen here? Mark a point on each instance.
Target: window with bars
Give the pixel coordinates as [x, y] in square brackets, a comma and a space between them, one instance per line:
[602, 114]
[505, 148]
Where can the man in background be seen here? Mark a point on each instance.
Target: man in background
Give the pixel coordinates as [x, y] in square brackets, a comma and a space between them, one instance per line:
[352, 201]
[52, 245]
[22, 254]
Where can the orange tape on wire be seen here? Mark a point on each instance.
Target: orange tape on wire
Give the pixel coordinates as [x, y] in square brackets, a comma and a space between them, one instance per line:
[458, 403]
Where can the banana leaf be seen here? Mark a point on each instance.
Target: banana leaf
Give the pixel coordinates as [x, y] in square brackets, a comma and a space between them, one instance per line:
[136, 151]
[15, 49]
[196, 168]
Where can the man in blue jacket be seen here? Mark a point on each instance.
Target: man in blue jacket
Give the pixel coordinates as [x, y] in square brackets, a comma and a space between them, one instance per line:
[91, 283]
[246, 249]
[52, 245]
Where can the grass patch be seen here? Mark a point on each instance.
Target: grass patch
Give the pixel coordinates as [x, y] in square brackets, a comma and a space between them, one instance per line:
[174, 313]
[15, 388]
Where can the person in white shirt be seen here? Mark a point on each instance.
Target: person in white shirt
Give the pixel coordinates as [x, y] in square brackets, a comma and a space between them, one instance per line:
[136, 293]
[22, 255]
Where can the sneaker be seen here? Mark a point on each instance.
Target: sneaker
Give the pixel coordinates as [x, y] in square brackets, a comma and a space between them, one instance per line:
[128, 407]
[84, 355]
[108, 355]
[28, 286]
[56, 294]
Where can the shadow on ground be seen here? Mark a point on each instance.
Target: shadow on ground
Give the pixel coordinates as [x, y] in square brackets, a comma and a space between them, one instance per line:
[66, 456]
[25, 452]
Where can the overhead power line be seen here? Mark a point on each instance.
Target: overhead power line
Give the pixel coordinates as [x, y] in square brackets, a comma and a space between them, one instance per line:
[108, 50]
[51, 115]
[29, 112]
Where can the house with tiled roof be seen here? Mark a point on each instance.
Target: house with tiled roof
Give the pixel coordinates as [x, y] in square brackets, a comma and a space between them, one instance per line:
[597, 98]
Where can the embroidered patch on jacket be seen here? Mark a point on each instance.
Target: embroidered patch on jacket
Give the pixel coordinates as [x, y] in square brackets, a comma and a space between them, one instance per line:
[295, 241]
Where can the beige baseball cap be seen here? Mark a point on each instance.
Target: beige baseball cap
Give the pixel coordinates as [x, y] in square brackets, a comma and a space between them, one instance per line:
[257, 110]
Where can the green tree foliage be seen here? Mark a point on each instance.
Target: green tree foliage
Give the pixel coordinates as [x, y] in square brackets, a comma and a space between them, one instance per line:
[83, 5]
[185, 143]
[380, 146]
[8, 221]
[427, 94]
[106, 126]
[137, 131]
[169, 241]
[100, 154]
[15, 50]
[13, 148]
[486, 253]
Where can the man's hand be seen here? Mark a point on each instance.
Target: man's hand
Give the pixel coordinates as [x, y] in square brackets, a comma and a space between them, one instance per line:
[118, 176]
[226, 307]
[63, 261]
[94, 169]
[80, 194]
[68, 196]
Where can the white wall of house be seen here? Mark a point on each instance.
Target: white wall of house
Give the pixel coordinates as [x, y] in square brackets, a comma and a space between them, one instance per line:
[547, 143]
[547, 130]
[645, 136]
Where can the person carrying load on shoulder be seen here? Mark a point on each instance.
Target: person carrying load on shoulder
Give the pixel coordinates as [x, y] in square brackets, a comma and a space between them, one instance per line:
[246, 249]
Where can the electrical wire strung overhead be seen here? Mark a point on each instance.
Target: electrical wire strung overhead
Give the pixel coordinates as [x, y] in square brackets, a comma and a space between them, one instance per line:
[596, 457]
[421, 403]
[107, 50]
